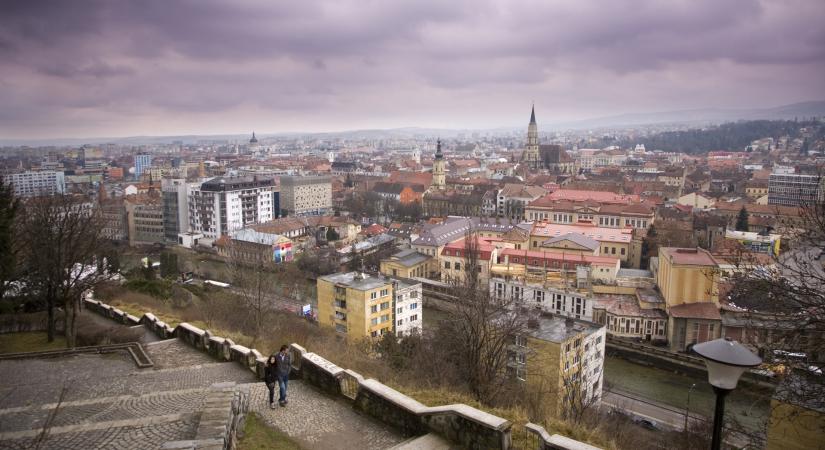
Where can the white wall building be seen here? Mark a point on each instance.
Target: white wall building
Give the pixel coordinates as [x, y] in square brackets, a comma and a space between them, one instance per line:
[33, 183]
[409, 308]
[569, 301]
[222, 205]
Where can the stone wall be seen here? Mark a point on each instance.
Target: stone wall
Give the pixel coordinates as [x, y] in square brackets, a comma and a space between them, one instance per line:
[223, 416]
[463, 425]
[544, 441]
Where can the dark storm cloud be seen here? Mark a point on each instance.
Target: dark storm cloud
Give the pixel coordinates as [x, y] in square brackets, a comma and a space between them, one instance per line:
[338, 63]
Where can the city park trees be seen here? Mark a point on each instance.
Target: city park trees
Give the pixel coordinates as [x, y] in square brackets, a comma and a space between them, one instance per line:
[63, 254]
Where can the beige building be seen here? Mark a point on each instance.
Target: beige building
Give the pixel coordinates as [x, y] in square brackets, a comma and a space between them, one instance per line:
[356, 304]
[144, 218]
[688, 280]
[561, 360]
[696, 200]
[306, 195]
[407, 264]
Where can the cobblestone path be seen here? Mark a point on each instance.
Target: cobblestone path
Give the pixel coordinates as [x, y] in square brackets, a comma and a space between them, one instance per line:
[316, 421]
[107, 402]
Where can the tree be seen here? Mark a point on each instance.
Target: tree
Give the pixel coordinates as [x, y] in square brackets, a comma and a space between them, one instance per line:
[255, 285]
[480, 329]
[783, 301]
[64, 251]
[9, 206]
[742, 220]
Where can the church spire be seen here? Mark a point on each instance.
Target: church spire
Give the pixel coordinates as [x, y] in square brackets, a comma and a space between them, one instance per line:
[438, 154]
[533, 114]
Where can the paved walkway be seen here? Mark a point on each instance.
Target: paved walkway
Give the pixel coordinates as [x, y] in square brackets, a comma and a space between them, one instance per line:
[91, 401]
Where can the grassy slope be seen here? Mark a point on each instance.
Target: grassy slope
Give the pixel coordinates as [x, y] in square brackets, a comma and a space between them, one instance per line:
[259, 436]
[33, 341]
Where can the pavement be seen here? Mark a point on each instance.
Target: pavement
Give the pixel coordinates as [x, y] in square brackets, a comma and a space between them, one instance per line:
[88, 401]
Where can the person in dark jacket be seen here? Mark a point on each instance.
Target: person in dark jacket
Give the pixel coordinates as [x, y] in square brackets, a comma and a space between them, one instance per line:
[271, 377]
[283, 363]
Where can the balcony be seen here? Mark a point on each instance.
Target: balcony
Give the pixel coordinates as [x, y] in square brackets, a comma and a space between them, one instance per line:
[342, 304]
[340, 316]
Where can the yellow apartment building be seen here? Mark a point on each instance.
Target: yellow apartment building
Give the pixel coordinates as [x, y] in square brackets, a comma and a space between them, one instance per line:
[356, 304]
[561, 360]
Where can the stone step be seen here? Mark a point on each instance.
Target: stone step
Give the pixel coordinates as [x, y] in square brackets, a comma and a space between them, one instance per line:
[430, 441]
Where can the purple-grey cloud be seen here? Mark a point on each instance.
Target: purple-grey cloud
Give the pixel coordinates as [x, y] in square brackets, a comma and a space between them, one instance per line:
[151, 66]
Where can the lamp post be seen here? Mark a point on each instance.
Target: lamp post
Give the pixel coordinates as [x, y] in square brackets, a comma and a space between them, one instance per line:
[687, 408]
[726, 360]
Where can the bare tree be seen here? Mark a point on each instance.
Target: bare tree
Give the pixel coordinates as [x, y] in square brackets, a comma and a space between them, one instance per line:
[480, 329]
[782, 298]
[253, 281]
[64, 254]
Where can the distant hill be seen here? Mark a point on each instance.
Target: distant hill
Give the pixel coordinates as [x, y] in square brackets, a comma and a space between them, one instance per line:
[703, 116]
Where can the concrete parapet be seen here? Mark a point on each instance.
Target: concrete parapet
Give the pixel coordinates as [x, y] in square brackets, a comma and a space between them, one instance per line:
[556, 441]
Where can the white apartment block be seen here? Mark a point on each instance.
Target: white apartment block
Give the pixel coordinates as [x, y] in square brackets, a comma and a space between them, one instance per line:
[592, 370]
[306, 196]
[559, 300]
[222, 205]
[33, 183]
[409, 308]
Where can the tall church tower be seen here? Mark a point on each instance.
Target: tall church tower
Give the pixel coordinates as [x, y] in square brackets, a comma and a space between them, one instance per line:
[531, 152]
[439, 177]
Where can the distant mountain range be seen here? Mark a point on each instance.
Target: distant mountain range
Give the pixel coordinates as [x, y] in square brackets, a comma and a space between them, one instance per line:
[701, 116]
[694, 117]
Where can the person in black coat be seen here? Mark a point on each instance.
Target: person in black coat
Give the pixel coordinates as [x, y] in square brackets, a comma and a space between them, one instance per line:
[271, 377]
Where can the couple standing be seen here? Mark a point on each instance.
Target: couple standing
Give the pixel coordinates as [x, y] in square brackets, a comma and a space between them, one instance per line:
[277, 370]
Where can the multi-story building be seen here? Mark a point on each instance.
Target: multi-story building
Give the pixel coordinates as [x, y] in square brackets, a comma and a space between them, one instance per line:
[455, 258]
[34, 183]
[144, 216]
[688, 280]
[175, 198]
[556, 294]
[143, 161]
[513, 198]
[306, 196]
[361, 305]
[408, 306]
[794, 189]
[407, 264]
[223, 205]
[115, 226]
[255, 247]
[597, 241]
[604, 209]
[560, 359]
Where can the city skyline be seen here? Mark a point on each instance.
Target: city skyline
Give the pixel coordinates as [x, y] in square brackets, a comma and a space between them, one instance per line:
[156, 68]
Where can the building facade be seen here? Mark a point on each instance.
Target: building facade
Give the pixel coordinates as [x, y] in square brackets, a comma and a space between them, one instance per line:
[143, 161]
[223, 205]
[408, 306]
[793, 189]
[306, 196]
[356, 304]
[34, 183]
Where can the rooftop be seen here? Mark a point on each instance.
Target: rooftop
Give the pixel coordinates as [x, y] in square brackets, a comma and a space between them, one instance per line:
[357, 280]
[707, 311]
[559, 329]
[688, 256]
[600, 234]
[598, 196]
[409, 258]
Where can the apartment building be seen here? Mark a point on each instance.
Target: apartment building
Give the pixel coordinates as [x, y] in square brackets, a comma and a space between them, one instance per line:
[144, 217]
[560, 358]
[609, 215]
[222, 205]
[556, 294]
[143, 161]
[306, 196]
[794, 189]
[361, 306]
[33, 183]
[175, 198]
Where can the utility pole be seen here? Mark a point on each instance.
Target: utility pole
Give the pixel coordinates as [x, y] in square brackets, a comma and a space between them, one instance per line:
[687, 408]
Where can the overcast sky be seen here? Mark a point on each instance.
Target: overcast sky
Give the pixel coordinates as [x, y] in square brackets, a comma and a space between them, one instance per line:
[121, 68]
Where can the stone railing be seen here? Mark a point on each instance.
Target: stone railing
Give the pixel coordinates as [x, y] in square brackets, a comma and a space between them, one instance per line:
[463, 425]
[544, 441]
[223, 416]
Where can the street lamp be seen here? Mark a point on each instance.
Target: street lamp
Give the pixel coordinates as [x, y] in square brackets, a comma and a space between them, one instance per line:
[726, 360]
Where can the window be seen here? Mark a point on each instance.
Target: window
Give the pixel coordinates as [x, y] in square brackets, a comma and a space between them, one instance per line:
[567, 347]
[399, 310]
[400, 322]
[374, 309]
[414, 294]
[538, 296]
[622, 250]
[385, 292]
[414, 318]
[413, 305]
[521, 358]
[457, 266]
[373, 295]
[385, 305]
[521, 341]
[446, 264]
[598, 340]
[578, 343]
[374, 321]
